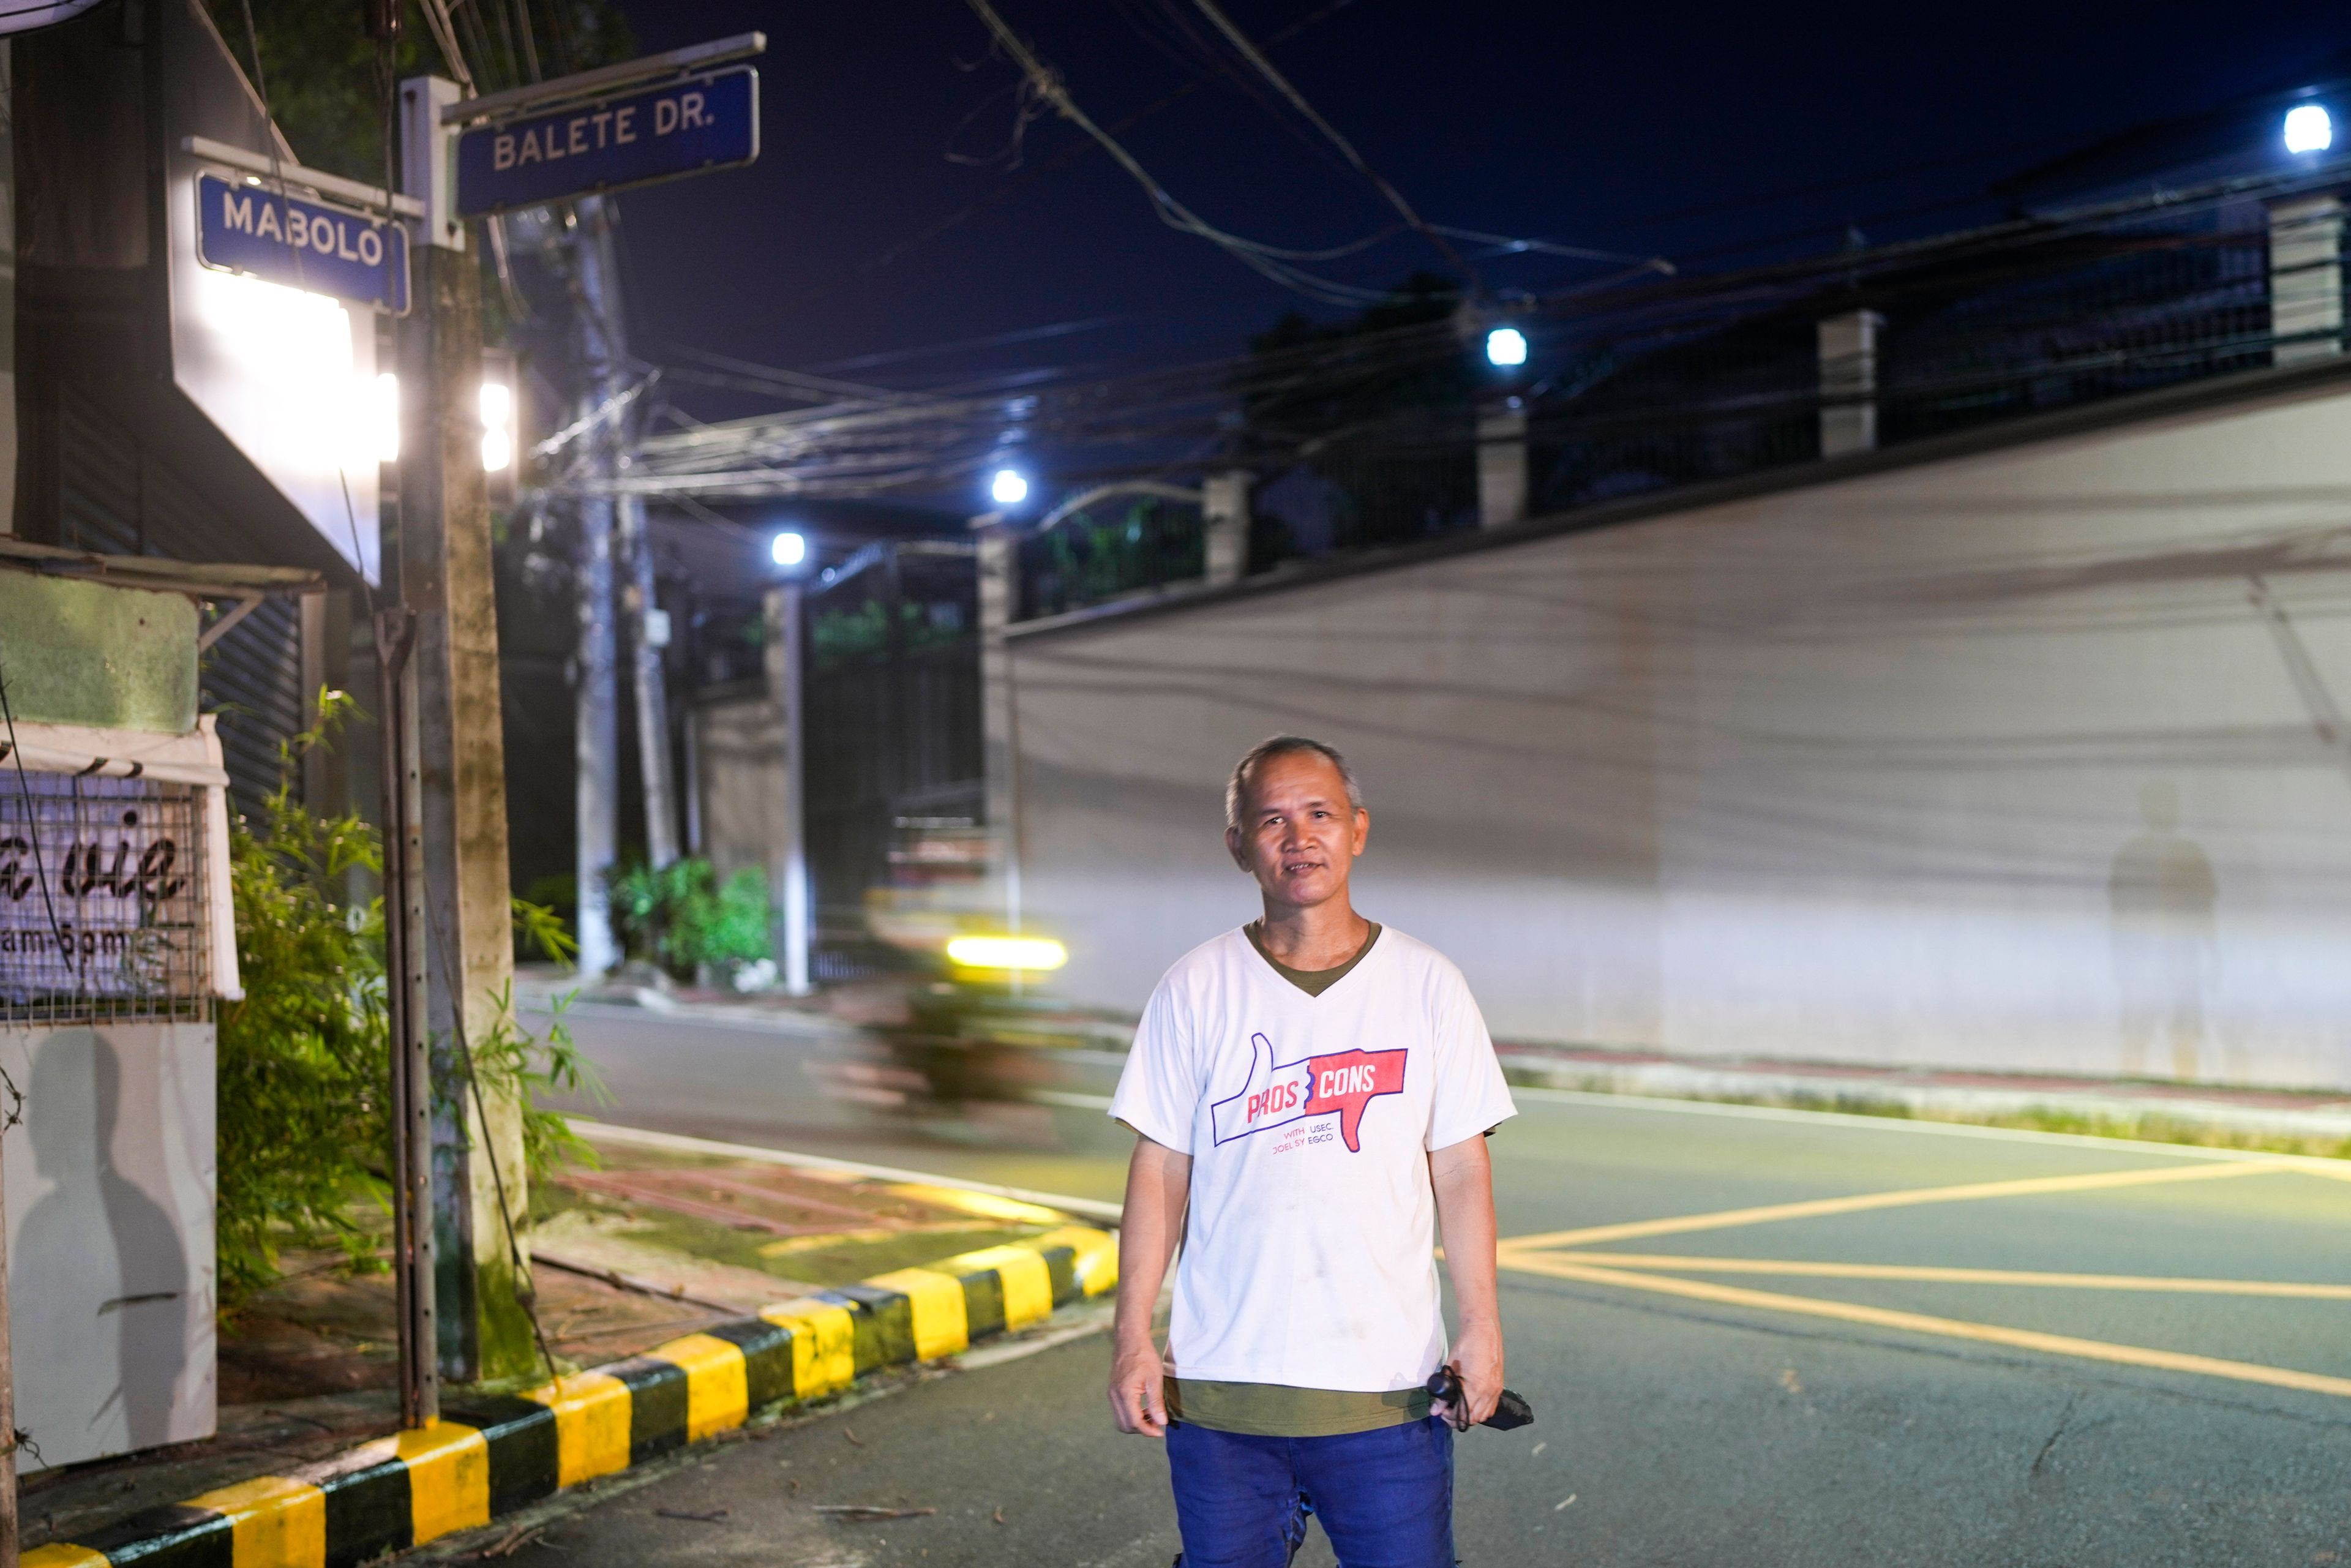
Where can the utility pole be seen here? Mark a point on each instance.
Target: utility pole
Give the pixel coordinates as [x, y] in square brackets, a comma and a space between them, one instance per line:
[787, 878]
[652, 693]
[605, 344]
[595, 698]
[445, 581]
[1000, 707]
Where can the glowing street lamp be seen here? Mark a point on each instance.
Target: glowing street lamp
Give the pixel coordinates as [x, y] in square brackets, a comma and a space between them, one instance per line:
[789, 548]
[1009, 488]
[2308, 129]
[1506, 347]
[497, 427]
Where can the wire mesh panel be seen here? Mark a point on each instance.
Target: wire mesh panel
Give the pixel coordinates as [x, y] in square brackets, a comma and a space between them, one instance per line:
[102, 899]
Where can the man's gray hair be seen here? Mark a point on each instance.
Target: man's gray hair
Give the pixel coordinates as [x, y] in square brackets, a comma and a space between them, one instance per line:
[1285, 745]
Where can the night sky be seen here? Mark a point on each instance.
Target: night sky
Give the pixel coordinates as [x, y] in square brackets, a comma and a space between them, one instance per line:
[1698, 133]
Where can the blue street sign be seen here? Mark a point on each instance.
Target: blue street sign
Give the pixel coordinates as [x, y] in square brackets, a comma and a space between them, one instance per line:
[709, 121]
[305, 246]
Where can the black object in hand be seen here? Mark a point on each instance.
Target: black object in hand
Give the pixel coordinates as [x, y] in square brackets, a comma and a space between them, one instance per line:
[1511, 1410]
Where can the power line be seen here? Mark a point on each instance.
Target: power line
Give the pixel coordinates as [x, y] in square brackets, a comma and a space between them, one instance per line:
[1272, 261]
[1395, 198]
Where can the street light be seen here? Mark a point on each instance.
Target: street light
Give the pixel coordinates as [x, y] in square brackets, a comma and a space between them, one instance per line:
[497, 427]
[1009, 488]
[789, 548]
[1505, 346]
[2308, 129]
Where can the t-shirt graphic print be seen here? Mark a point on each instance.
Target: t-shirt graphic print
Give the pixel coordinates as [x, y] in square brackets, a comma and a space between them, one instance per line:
[1308, 1247]
[1296, 1092]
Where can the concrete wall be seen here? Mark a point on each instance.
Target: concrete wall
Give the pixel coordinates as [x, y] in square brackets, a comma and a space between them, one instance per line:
[2026, 760]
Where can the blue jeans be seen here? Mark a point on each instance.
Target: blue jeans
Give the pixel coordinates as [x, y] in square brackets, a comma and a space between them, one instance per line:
[1385, 1497]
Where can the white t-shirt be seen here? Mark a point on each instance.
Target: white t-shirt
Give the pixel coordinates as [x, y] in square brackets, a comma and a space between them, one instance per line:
[1309, 1251]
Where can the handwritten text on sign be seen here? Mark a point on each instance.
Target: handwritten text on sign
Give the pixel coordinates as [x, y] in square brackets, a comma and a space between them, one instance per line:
[703, 122]
[302, 245]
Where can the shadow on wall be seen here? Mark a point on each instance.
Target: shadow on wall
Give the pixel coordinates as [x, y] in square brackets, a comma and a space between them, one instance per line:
[2163, 895]
[100, 1262]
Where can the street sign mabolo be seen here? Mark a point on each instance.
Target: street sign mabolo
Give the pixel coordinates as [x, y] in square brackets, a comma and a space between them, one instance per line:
[302, 245]
[707, 121]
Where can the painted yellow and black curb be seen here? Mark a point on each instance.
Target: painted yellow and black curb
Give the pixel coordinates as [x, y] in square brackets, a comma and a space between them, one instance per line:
[488, 1456]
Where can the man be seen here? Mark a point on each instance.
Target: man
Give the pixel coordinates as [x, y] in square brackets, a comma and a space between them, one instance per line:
[1317, 1089]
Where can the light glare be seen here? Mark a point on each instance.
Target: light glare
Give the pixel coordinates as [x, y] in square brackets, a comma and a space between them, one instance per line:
[1008, 488]
[2308, 129]
[385, 420]
[788, 549]
[497, 427]
[1008, 953]
[1506, 345]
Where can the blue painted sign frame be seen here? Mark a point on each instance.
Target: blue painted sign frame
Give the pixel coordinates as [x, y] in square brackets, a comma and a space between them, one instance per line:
[691, 126]
[304, 245]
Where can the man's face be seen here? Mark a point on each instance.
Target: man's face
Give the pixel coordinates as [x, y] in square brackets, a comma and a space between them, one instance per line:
[1298, 835]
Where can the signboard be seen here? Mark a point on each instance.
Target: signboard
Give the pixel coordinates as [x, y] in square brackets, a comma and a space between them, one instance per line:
[319, 249]
[101, 899]
[24, 16]
[703, 122]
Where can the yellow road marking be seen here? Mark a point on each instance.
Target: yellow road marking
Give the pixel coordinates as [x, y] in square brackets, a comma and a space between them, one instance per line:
[1901, 1198]
[983, 1204]
[273, 1523]
[824, 1341]
[62, 1555]
[934, 1305]
[2188, 1285]
[448, 1479]
[716, 1383]
[592, 1425]
[1095, 1255]
[1563, 1267]
[1028, 1283]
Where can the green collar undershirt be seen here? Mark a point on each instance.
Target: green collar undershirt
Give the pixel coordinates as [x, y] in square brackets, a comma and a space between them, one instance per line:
[1314, 982]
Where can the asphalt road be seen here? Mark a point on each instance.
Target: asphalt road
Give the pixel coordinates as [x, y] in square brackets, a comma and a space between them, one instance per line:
[1748, 1337]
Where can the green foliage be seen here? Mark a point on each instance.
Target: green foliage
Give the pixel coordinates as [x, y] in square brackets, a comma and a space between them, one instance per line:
[303, 1124]
[1084, 560]
[862, 631]
[681, 917]
[512, 1063]
[324, 81]
[304, 1130]
[1379, 408]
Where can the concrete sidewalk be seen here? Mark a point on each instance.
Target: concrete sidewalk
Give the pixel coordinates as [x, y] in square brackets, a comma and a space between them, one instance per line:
[748, 1283]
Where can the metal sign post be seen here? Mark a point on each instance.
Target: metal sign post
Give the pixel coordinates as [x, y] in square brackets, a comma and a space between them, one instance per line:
[404, 974]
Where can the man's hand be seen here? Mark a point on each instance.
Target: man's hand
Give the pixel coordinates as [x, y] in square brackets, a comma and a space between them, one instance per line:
[1158, 1183]
[1138, 1390]
[1464, 1181]
[1478, 1360]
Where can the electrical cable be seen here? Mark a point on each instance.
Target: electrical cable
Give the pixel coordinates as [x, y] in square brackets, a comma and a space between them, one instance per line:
[1395, 198]
[1077, 149]
[1272, 261]
[525, 1294]
[32, 828]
